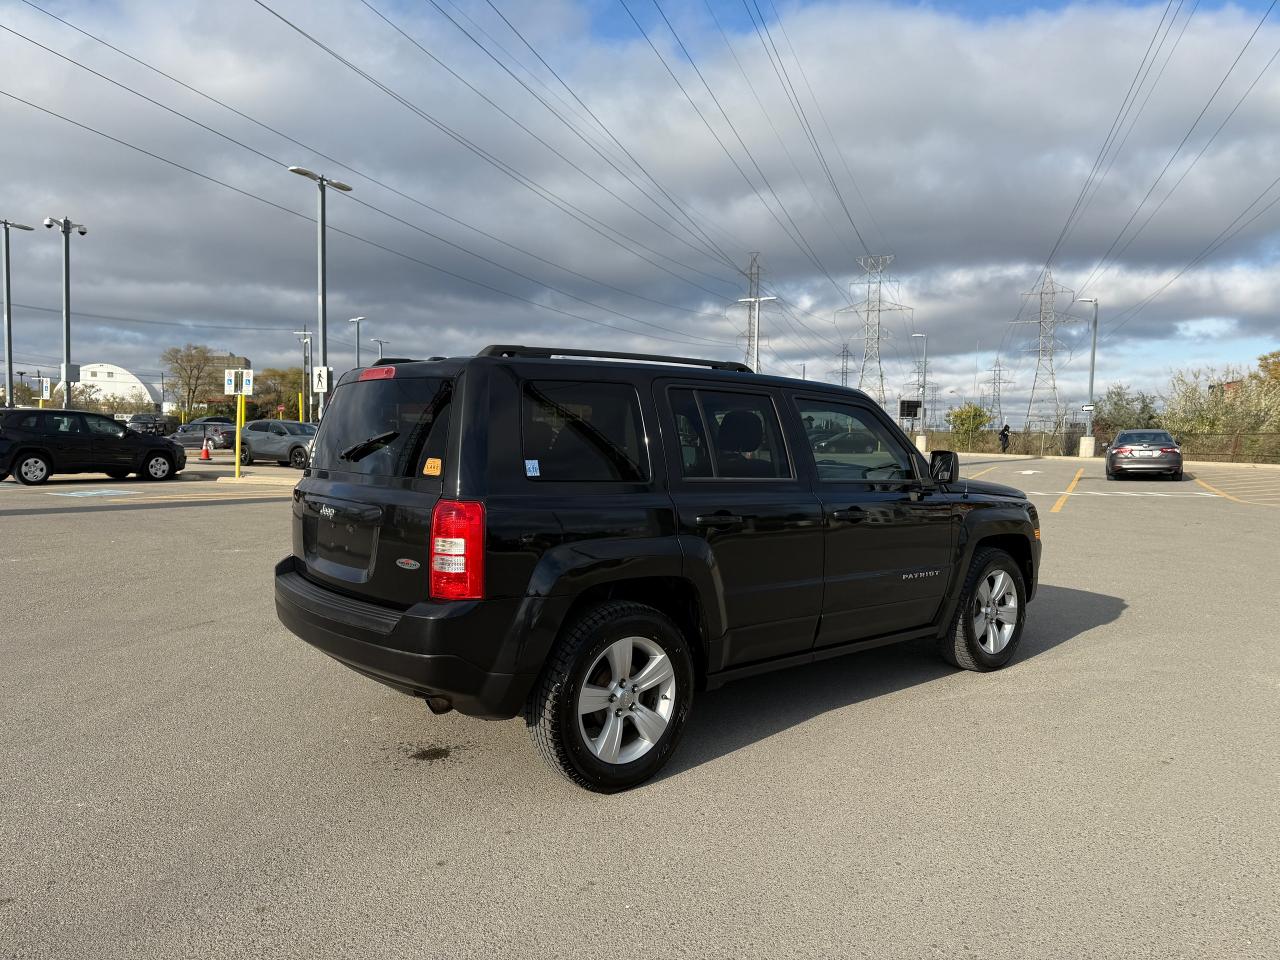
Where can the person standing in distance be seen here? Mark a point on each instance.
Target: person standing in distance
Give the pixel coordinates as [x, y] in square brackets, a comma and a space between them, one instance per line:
[1004, 439]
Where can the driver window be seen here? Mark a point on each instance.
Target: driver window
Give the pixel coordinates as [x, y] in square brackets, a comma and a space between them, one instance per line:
[278, 430]
[850, 444]
[102, 427]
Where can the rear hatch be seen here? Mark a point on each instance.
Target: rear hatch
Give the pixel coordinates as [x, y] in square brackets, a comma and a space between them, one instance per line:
[362, 516]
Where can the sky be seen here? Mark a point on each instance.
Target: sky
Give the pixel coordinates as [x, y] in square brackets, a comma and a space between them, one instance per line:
[596, 173]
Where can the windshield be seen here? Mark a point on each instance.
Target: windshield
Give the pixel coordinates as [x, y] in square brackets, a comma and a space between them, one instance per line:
[385, 427]
[1144, 436]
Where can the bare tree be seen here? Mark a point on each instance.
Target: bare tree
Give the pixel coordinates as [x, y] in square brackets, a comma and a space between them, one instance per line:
[193, 372]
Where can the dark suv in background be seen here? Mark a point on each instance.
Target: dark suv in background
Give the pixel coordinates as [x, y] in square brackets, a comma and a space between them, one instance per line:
[586, 543]
[35, 444]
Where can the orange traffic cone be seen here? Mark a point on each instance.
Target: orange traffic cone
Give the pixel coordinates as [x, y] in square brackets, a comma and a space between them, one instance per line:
[204, 450]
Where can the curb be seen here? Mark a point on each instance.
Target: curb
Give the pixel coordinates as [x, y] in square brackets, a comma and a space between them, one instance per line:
[260, 481]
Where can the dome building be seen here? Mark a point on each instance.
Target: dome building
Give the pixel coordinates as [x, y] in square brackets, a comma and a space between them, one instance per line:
[115, 382]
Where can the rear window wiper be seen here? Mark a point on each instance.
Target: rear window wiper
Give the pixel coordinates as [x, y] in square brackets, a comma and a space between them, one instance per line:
[365, 447]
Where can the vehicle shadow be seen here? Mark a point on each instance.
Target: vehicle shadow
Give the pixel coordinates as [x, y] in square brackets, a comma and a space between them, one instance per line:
[756, 708]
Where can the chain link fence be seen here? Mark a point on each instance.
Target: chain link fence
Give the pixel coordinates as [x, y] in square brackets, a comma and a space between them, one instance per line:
[1213, 447]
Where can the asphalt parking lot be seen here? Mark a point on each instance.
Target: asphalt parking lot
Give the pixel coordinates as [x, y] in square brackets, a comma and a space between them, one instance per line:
[180, 777]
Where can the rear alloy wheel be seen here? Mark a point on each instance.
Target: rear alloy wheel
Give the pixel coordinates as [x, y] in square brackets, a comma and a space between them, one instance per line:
[246, 456]
[32, 469]
[158, 467]
[613, 698]
[298, 458]
[990, 615]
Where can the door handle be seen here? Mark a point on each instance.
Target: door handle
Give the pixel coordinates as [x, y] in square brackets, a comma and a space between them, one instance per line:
[849, 514]
[719, 520]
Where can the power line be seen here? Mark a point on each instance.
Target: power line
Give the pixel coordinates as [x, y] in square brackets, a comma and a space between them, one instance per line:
[353, 236]
[798, 237]
[590, 222]
[708, 248]
[531, 133]
[346, 166]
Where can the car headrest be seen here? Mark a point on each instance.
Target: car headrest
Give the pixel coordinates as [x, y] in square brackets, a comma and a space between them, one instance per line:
[740, 432]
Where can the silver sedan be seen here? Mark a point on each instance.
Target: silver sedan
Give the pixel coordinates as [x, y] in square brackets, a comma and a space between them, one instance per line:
[1144, 451]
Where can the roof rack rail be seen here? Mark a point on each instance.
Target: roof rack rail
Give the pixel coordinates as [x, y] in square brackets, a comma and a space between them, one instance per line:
[546, 353]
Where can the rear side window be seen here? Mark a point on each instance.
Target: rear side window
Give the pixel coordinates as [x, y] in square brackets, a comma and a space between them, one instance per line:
[385, 428]
[580, 431]
[24, 422]
[729, 436]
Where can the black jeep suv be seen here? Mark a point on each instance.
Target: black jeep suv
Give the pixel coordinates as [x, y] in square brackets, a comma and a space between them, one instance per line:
[35, 444]
[587, 543]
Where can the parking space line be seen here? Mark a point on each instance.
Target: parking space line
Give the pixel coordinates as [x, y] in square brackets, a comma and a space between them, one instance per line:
[1220, 493]
[981, 473]
[1062, 500]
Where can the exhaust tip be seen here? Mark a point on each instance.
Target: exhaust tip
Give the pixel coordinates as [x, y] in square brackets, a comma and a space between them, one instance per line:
[439, 705]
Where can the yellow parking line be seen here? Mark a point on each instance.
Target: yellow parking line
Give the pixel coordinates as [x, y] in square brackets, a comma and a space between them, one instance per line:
[1221, 493]
[981, 473]
[1062, 500]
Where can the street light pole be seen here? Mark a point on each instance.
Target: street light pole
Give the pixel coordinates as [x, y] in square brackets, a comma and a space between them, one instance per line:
[1093, 356]
[322, 293]
[380, 343]
[8, 309]
[356, 321]
[64, 224]
[924, 370]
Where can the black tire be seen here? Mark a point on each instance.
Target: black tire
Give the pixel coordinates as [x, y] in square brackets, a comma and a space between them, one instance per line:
[960, 646]
[1176, 475]
[117, 474]
[32, 469]
[298, 458]
[551, 712]
[246, 455]
[1110, 475]
[151, 469]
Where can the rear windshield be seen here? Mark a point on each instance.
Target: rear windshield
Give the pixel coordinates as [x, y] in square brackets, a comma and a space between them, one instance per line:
[1144, 436]
[386, 428]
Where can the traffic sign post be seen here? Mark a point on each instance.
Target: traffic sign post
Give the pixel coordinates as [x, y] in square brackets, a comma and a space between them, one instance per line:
[320, 377]
[238, 383]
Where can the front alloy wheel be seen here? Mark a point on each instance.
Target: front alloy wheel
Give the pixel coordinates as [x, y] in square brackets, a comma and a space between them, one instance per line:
[990, 615]
[613, 698]
[33, 469]
[158, 467]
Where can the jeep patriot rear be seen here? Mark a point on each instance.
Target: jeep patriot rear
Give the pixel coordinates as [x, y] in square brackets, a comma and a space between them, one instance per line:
[587, 539]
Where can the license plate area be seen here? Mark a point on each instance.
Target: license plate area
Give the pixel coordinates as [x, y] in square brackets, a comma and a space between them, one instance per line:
[340, 539]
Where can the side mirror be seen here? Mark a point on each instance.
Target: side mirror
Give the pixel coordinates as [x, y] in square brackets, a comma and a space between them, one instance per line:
[944, 466]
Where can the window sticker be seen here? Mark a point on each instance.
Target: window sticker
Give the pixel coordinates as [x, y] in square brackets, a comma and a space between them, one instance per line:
[432, 467]
[532, 468]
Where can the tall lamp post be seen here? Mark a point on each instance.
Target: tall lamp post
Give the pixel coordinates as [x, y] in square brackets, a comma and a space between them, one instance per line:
[380, 343]
[8, 308]
[304, 337]
[321, 279]
[1093, 356]
[924, 370]
[69, 373]
[356, 321]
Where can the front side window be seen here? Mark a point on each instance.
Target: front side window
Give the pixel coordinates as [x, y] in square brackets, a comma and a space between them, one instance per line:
[851, 444]
[102, 427]
[581, 431]
[729, 436]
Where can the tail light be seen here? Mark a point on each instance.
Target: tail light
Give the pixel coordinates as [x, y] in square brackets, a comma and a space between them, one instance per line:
[1170, 450]
[457, 550]
[1122, 451]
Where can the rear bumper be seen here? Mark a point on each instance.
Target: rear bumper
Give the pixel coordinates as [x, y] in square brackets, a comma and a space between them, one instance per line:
[419, 651]
[1145, 464]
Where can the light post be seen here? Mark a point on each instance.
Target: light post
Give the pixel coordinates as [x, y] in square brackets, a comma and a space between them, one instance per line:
[924, 370]
[1093, 355]
[304, 337]
[69, 373]
[8, 309]
[356, 321]
[380, 343]
[321, 279]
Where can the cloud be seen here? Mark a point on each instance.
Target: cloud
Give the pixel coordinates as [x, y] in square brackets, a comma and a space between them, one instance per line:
[969, 140]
